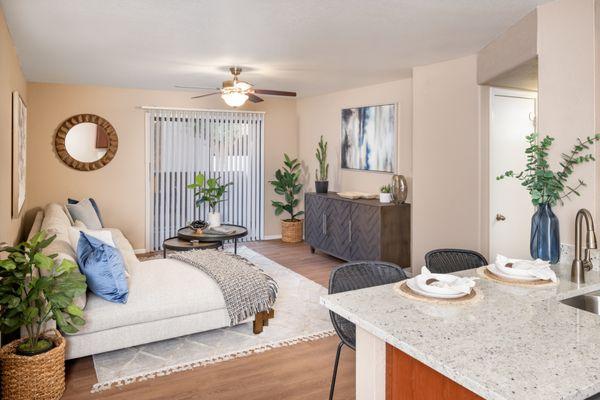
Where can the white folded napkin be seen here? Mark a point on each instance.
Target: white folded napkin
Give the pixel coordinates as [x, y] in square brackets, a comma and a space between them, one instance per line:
[446, 283]
[531, 268]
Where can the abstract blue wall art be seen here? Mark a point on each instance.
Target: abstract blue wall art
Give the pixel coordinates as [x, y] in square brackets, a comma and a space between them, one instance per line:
[369, 138]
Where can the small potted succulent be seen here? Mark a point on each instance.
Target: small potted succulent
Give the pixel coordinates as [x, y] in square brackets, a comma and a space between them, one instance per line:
[209, 191]
[321, 182]
[286, 184]
[385, 194]
[36, 289]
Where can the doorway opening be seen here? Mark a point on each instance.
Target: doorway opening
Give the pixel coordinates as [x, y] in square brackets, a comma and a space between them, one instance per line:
[513, 115]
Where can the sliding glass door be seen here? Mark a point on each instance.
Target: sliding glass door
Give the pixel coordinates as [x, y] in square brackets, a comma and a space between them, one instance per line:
[183, 143]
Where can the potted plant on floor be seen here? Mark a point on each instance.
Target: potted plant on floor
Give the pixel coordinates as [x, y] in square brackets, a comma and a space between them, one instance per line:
[34, 290]
[321, 182]
[385, 194]
[547, 188]
[209, 191]
[286, 184]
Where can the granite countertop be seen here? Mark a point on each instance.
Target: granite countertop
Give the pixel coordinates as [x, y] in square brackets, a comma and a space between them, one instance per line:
[514, 343]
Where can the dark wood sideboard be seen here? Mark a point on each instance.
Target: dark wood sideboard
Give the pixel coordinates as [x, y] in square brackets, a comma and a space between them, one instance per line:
[357, 229]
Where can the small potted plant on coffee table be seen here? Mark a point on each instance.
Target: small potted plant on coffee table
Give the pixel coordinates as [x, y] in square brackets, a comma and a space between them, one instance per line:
[36, 289]
[286, 184]
[385, 194]
[209, 191]
[321, 182]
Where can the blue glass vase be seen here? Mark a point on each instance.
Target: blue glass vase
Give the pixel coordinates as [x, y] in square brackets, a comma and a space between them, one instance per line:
[545, 237]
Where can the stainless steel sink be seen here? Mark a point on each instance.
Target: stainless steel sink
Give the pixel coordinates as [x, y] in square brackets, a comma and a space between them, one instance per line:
[587, 302]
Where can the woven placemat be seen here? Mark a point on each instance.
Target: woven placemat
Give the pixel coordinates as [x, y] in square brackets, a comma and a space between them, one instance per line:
[402, 289]
[485, 273]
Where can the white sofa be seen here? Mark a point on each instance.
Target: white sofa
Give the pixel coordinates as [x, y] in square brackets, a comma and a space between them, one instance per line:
[167, 298]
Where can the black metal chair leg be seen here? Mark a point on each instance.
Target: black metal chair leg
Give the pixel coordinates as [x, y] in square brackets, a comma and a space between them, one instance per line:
[335, 367]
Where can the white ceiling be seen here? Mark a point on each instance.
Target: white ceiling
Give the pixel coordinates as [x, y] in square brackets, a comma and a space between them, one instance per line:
[310, 46]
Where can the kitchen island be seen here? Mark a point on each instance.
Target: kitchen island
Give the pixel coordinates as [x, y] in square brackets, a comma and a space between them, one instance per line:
[515, 342]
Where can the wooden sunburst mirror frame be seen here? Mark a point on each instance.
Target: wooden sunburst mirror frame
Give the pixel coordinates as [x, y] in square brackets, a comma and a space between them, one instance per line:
[61, 149]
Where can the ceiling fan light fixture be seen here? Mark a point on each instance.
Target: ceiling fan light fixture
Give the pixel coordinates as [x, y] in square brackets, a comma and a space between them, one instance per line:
[234, 99]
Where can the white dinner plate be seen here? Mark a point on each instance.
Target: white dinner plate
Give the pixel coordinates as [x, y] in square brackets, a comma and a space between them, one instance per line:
[492, 268]
[413, 286]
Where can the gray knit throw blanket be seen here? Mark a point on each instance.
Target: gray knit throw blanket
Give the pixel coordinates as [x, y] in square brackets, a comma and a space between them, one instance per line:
[247, 290]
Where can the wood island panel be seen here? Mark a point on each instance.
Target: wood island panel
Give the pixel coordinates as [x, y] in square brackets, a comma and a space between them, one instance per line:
[409, 379]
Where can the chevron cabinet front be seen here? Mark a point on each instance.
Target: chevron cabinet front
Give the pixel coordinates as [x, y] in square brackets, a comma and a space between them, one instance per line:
[358, 229]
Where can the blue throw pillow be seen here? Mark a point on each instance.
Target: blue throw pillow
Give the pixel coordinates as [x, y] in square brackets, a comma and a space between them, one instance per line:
[94, 205]
[103, 268]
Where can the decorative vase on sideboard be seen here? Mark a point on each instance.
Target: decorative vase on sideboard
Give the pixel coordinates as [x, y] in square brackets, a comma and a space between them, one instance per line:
[545, 237]
[399, 189]
[321, 186]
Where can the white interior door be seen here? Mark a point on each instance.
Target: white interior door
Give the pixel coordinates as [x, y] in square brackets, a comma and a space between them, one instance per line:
[513, 115]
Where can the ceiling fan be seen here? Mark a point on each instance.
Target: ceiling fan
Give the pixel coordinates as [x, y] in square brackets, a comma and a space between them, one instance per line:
[235, 92]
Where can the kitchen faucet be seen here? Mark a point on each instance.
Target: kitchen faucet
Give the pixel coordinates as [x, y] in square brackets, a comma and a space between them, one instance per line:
[580, 265]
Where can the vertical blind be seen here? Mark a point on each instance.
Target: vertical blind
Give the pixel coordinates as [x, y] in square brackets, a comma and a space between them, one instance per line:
[224, 144]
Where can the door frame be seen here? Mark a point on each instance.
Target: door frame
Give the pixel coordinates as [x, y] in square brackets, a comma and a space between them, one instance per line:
[504, 92]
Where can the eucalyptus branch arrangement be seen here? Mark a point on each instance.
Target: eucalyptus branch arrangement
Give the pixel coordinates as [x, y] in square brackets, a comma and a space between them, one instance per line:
[321, 155]
[543, 184]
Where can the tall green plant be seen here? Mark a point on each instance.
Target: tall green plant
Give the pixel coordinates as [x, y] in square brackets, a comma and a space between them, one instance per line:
[543, 184]
[208, 191]
[286, 184]
[35, 288]
[322, 173]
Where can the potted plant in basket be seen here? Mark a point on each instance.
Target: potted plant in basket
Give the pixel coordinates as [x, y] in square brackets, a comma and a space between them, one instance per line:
[321, 182]
[286, 184]
[34, 289]
[547, 188]
[385, 194]
[211, 192]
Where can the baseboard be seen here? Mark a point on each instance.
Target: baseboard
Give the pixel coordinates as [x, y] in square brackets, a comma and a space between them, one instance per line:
[140, 251]
[272, 237]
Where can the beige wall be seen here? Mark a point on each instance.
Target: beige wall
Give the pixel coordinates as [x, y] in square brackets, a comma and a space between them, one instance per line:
[567, 92]
[447, 161]
[11, 78]
[321, 115]
[119, 187]
[513, 48]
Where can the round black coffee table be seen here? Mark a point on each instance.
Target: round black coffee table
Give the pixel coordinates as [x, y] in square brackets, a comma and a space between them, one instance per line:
[176, 244]
[190, 235]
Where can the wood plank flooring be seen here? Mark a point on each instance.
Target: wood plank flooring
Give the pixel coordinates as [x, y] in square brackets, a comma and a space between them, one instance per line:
[299, 372]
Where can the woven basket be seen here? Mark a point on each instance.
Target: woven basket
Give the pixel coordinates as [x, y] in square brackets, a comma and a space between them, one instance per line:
[291, 231]
[40, 377]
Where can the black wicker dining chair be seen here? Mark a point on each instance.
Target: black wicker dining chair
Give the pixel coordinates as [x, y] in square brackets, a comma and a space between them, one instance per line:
[445, 261]
[353, 276]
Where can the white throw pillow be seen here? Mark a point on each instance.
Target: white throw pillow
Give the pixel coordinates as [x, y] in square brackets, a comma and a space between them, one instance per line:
[101, 234]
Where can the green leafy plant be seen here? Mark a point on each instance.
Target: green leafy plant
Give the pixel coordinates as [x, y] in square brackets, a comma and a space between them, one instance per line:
[385, 189]
[208, 191]
[35, 288]
[286, 184]
[543, 184]
[322, 173]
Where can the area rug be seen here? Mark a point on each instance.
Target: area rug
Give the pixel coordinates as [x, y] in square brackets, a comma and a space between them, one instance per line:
[298, 318]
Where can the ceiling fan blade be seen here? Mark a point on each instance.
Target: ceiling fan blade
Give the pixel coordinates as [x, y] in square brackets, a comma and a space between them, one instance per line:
[254, 98]
[195, 87]
[275, 92]
[205, 95]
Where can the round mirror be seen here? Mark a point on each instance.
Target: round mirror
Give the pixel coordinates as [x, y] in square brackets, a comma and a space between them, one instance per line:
[86, 142]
